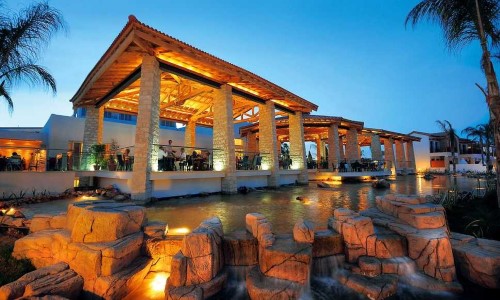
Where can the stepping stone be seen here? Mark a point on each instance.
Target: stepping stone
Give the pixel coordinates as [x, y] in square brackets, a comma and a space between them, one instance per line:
[379, 287]
[260, 286]
[240, 249]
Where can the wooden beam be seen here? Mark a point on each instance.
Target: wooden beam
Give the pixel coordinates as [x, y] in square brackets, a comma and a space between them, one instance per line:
[136, 74]
[181, 101]
[189, 75]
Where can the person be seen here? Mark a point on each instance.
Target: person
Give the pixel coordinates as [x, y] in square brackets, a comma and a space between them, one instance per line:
[161, 159]
[127, 159]
[170, 158]
[181, 159]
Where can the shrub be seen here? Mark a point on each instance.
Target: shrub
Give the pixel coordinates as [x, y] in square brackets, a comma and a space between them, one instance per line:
[10, 268]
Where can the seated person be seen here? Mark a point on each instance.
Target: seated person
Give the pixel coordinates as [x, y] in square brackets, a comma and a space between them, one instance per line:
[180, 159]
[127, 159]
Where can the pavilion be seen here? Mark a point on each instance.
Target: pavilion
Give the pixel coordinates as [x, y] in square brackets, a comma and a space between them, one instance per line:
[344, 139]
[154, 75]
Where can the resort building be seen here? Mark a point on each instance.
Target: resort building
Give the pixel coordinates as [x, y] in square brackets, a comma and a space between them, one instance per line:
[433, 153]
[149, 88]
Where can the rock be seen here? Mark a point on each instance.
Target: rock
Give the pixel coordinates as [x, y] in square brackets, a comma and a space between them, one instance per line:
[323, 185]
[355, 232]
[381, 184]
[184, 293]
[43, 248]
[370, 266]
[478, 260]
[264, 287]
[106, 222]
[303, 232]
[162, 251]
[58, 222]
[430, 220]
[286, 259]
[178, 274]
[252, 222]
[120, 198]
[386, 244]
[67, 284]
[327, 243]
[240, 249]
[379, 287]
[155, 229]
[40, 222]
[18, 214]
[398, 265]
[56, 279]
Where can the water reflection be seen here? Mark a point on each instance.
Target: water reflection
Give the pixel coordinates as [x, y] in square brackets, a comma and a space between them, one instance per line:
[283, 210]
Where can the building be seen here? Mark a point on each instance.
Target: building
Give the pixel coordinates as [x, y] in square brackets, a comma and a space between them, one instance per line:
[433, 153]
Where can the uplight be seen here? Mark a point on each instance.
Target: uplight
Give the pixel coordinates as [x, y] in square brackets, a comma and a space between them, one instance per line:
[159, 282]
[218, 166]
[179, 231]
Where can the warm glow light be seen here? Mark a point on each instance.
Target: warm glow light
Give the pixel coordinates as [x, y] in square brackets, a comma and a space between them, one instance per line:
[179, 231]
[265, 166]
[337, 178]
[240, 87]
[11, 211]
[295, 166]
[218, 166]
[4, 211]
[159, 282]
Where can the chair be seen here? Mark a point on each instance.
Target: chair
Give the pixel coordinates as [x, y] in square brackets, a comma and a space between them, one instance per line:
[258, 163]
[14, 164]
[121, 162]
[189, 162]
[244, 163]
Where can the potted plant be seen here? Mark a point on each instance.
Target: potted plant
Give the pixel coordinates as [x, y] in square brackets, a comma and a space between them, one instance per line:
[97, 155]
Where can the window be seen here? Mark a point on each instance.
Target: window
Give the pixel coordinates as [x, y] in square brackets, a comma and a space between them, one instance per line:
[166, 123]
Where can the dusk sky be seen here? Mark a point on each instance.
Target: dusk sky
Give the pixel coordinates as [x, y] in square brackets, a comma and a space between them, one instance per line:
[353, 58]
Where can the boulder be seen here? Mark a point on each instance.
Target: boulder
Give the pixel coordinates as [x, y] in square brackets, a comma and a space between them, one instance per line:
[386, 244]
[379, 287]
[323, 185]
[162, 251]
[191, 292]
[478, 260]
[43, 248]
[286, 259]
[327, 243]
[355, 232]
[56, 279]
[260, 286]
[240, 249]
[40, 222]
[369, 266]
[251, 220]
[106, 222]
[303, 232]
[155, 229]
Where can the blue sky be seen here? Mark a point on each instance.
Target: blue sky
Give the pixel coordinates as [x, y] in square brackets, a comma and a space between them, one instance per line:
[353, 58]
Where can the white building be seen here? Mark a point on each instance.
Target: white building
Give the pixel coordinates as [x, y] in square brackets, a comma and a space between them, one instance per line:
[433, 153]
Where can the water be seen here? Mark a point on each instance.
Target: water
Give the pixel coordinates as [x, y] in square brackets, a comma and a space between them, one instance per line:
[283, 210]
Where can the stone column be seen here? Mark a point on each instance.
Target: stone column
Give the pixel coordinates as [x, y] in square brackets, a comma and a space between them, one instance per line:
[297, 146]
[400, 156]
[92, 132]
[268, 142]
[190, 136]
[342, 150]
[375, 147]
[147, 131]
[389, 154]
[334, 146]
[319, 151]
[224, 155]
[352, 146]
[410, 156]
[251, 144]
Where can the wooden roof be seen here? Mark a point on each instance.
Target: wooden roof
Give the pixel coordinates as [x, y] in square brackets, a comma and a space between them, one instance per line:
[189, 76]
[316, 127]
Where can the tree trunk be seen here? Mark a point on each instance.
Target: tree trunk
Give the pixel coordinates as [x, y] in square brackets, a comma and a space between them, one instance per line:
[493, 94]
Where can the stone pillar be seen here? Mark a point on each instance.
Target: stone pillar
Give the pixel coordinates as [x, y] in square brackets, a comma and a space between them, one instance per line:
[251, 143]
[147, 130]
[389, 154]
[92, 132]
[190, 136]
[224, 155]
[268, 142]
[342, 150]
[352, 146]
[400, 156]
[375, 147]
[297, 146]
[319, 151]
[334, 146]
[410, 157]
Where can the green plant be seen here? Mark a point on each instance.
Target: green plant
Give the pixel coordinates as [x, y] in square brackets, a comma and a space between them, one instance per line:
[10, 268]
[97, 154]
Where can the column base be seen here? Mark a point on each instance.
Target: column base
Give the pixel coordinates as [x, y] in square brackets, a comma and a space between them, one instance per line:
[229, 185]
[273, 181]
[303, 178]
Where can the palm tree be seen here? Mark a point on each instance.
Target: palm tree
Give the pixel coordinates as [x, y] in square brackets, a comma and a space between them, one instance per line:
[476, 134]
[463, 21]
[22, 37]
[451, 138]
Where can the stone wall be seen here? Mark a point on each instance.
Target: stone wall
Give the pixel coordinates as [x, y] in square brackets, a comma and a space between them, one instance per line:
[404, 240]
